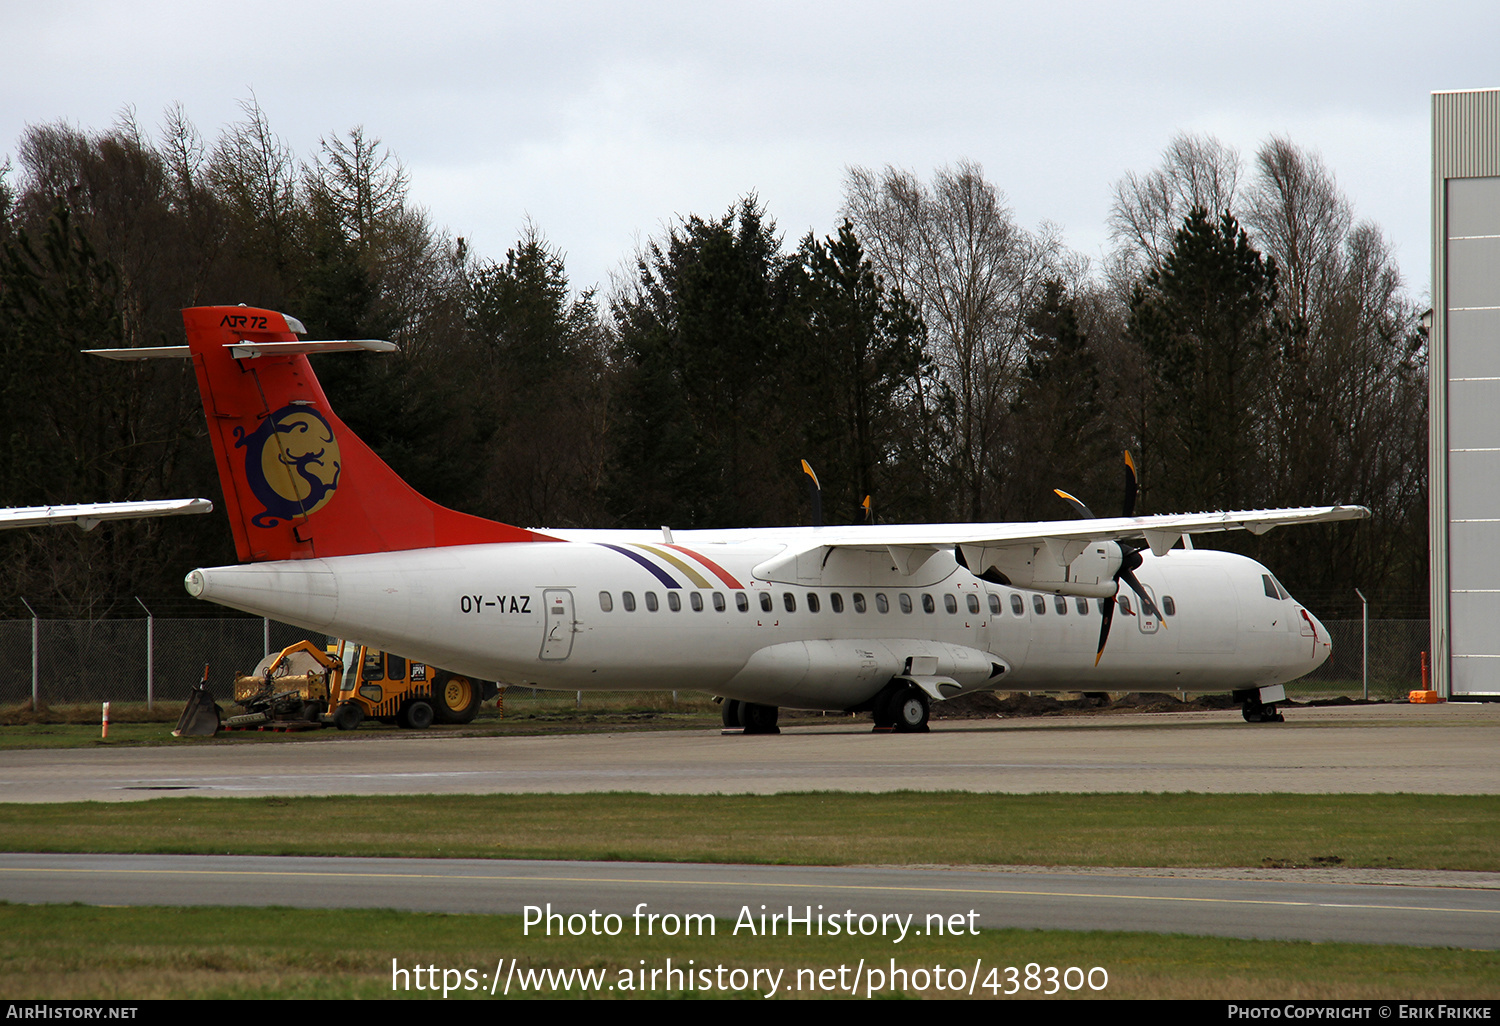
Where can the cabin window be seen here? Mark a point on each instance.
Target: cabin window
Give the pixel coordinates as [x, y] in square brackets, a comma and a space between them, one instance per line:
[605, 602]
[1083, 605]
[1270, 586]
[973, 601]
[905, 601]
[859, 602]
[674, 602]
[696, 601]
[1168, 606]
[397, 667]
[651, 605]
[374, 669]
[836, 601]
[812, 603]
[765, 602]
[881, 602]
[627, 599]
[1039, 604]
[1061, 604]
[719, 604]
[1017, 606]
[928, 606]
[1125, 605]
[950, 603]
[790, 601]
[742, 602]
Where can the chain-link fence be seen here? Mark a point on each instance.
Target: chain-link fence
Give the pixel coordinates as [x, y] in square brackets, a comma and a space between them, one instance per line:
[1394, 667]
[66, 662]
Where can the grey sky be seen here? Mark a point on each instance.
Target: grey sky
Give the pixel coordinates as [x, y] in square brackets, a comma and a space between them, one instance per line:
[602, 122]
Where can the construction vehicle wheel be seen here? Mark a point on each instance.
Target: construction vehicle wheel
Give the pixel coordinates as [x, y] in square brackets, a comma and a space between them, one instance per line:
[418, 714]
[348, 716]
[455, 698]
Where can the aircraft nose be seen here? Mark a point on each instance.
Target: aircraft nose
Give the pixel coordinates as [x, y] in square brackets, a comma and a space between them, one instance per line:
[1317, 634]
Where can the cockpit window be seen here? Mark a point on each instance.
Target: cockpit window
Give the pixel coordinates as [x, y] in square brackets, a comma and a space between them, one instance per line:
[1273, 587]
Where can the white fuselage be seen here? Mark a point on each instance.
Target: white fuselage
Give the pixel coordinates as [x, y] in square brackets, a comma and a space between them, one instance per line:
[632, 610]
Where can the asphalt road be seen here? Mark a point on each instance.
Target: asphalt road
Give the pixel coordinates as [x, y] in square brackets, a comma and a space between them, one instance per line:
[1440, 749]
[1467, 917]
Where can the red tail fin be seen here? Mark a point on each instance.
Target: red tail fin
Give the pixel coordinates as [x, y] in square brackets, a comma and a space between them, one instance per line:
[297, 482]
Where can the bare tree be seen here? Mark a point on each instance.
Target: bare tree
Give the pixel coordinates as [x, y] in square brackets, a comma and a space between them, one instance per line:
[1196, 171]
[955, 250]
[254, 175]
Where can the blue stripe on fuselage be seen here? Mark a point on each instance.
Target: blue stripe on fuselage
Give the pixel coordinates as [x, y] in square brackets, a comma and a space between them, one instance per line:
[661, 575]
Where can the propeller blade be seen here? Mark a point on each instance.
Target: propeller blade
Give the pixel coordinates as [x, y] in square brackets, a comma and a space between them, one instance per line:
[816, 491]
[1083, 510]
[1107, 608]
[1135, 586]
[1132, 486]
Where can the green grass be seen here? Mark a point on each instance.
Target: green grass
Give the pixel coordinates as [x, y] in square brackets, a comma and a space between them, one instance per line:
[123, 954]
[1383, 831]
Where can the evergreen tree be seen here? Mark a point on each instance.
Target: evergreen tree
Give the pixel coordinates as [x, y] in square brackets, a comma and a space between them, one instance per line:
[862, 375]
[1206, 321]
[709, 336]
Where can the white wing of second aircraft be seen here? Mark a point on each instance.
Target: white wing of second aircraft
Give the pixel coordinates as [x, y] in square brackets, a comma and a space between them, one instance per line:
[90, 515]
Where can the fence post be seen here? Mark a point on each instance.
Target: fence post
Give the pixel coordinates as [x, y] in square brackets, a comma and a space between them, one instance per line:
[35, 637]
[1365, 631]
[150, 654]
[266, 635]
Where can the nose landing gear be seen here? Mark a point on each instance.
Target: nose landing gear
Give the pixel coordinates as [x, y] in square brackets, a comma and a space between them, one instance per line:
[1259, 705]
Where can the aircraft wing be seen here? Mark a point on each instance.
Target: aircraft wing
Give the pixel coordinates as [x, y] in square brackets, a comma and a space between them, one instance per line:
[89, 515]
[910, 546]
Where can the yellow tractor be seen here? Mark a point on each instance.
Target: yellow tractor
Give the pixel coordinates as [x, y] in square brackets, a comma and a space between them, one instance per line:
[348, 684]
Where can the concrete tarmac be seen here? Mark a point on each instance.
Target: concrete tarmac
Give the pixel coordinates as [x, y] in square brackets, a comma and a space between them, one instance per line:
[1436, 749]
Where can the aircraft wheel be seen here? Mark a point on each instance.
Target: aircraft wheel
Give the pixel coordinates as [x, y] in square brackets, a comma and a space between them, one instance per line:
[418, 714]
[730, 713]
[759, 719]
[348, 716]
[910, 708]
[455, 698]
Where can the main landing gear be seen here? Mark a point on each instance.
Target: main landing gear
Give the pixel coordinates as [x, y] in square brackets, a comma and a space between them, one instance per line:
[750, 717]
[902, 708]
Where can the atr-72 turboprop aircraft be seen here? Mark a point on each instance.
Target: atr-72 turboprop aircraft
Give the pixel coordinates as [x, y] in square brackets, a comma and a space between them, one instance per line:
[884, 618]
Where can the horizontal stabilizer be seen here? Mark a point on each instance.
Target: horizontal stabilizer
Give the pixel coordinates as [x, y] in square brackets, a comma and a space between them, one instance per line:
[90, 515]
[251, 350]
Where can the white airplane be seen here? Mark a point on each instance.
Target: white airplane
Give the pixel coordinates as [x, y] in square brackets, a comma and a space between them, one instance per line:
[886, 618]
[90, 515]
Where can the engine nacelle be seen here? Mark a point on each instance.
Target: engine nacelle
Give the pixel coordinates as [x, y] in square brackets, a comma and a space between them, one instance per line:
[1063, 567]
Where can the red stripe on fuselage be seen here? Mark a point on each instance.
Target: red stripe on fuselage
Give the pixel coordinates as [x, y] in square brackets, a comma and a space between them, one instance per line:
[719, 571]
